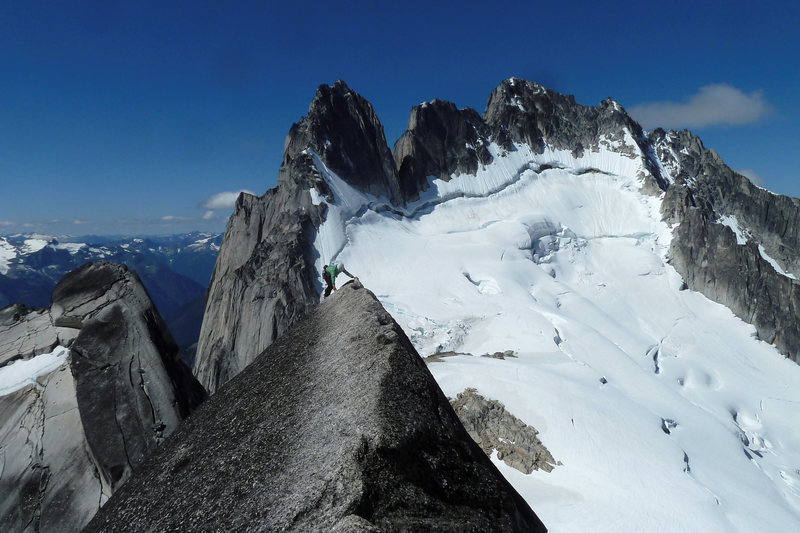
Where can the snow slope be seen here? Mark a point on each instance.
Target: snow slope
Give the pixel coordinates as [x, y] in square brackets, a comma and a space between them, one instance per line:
[695, 427]
[19, 374]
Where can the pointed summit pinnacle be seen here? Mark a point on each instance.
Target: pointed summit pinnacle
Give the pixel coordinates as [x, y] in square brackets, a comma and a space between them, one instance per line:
[343, 129]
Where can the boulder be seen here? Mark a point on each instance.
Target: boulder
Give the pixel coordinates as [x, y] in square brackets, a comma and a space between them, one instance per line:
[73, 432]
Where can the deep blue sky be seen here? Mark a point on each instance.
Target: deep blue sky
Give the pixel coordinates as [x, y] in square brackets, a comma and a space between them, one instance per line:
[115, 115]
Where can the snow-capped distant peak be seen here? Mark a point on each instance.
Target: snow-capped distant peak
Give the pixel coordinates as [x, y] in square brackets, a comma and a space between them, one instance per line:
[33, 245]
[71, 247]
[7, 253]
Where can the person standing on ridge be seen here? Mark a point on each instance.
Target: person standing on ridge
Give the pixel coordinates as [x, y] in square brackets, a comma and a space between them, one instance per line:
[329, 273]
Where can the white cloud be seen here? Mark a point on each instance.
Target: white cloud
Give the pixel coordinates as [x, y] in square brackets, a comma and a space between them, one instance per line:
[80, 222]
[170, 218]
[6, 223]
[752, 176]
[223, 200]
[210, 215]
[712, 105]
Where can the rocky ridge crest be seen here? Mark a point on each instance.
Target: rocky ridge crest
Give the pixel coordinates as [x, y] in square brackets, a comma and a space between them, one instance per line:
[337, 426]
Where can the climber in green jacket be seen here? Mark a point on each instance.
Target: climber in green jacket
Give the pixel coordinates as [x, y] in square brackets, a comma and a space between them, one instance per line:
[329, 273]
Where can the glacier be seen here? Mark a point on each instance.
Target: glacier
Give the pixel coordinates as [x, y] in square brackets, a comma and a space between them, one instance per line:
[666, 411]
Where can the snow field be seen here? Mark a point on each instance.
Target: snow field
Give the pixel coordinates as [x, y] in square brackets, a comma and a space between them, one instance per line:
[695, 429]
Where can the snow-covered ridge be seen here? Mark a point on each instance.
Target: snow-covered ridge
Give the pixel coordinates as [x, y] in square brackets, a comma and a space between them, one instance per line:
[667, 412]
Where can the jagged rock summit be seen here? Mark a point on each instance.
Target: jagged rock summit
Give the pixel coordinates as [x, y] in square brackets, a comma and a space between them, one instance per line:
[266, 260]
[112, 388]
[337, 426]
[343, 129]
[441, 141]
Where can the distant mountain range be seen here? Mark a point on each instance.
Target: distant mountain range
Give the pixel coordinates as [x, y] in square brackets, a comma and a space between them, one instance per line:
[175, 270]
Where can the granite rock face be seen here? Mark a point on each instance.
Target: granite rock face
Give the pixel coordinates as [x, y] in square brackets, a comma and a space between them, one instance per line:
[342, 128]
[337, 426]
[441, 141]
[264, 279]
[26, 332]
[75, 435]
[704, 199]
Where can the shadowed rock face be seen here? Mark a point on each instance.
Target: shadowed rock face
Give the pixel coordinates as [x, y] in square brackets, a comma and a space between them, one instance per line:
[72, 438]
[342, 128]
[441, 140]
[337, 426]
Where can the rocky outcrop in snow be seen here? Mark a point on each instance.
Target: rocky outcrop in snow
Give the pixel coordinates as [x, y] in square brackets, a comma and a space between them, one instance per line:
[72, 436]
[494, 428]
[337, 426]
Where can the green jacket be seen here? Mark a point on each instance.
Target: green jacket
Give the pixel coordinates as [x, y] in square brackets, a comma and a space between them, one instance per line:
[334, 270]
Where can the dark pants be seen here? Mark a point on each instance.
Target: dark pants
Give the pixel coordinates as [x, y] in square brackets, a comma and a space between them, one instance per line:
[329, 287]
